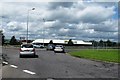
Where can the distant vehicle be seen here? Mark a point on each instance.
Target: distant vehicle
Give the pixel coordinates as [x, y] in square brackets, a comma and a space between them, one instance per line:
[59, 48]
[27, 49]
[38, 46]
[50, 47]
[42, 46]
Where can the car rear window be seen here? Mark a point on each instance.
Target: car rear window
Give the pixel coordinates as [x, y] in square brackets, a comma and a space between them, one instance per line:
[27, 46]
[59, 46]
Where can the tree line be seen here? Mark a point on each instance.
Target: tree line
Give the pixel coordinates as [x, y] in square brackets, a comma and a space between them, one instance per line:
[13, 40]
[101, 43]
[107, 43]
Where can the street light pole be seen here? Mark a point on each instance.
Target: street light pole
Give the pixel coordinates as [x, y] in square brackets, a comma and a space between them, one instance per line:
[27, 26]
[43, 32]
[28, 22]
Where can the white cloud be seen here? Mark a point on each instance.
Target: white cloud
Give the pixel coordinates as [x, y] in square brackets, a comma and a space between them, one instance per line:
[63, 30]
[79, 20]
[95, 14]
[14, 26]
[49, 24]
[91, 31]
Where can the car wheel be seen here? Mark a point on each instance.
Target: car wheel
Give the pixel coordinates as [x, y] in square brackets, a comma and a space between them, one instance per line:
[20, 56]
[34, 55]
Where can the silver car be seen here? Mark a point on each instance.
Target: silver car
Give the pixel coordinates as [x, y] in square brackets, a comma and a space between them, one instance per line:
[27, 49]
[59, 48]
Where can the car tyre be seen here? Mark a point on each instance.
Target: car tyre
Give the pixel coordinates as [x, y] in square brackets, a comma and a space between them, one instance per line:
[20, 56]
[63, 51]
[34, 55]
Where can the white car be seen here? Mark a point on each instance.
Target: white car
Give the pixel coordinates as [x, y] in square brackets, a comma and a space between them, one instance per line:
[38, 46]
[59, 48]
[27, 49]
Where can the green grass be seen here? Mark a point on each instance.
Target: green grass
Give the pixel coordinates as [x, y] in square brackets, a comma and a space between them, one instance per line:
[109, 55]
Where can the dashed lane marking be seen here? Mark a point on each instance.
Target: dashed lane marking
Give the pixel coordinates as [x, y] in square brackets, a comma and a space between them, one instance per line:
[13, 66]
[29, 72]
[50, 79]
[26, 71]
[5, 63]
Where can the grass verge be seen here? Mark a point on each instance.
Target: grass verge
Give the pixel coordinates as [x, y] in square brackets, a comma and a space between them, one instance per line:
[108, 55]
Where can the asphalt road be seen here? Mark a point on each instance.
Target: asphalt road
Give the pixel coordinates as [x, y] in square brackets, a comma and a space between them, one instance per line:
[54, 65]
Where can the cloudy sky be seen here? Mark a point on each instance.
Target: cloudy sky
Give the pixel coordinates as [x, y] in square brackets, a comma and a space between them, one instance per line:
[83, 20]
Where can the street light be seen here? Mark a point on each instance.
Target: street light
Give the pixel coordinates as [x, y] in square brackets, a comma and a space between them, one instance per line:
[43, 32]
[27, 23]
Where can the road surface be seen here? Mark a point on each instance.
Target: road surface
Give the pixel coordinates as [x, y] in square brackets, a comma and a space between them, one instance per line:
[48, 64]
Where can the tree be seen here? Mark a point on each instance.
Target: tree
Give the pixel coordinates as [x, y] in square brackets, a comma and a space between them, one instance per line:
[13, 41]
[2, 37]
[114, 44]
[101, 43]
[118, 45]
[51, 42]
[70, 42]
[94, 43]
[109, 43]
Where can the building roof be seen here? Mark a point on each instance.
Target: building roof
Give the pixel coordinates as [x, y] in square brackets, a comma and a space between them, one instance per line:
[81, 42]
[61, 41]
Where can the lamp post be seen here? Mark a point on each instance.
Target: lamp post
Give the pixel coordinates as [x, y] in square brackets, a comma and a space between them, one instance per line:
[43, 32]
[27, 23]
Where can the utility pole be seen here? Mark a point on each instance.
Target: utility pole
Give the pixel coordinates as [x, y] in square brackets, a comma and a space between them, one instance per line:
[27, 23]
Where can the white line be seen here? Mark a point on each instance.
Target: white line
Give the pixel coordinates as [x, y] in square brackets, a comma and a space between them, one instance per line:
[5, 62]
[13, 66]
[27, 71]
[50, 79]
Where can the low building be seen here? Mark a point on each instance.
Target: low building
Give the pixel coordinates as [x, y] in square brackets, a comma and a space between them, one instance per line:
[63, 42]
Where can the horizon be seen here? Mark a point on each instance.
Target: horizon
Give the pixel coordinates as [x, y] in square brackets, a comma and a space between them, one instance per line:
[61, 20]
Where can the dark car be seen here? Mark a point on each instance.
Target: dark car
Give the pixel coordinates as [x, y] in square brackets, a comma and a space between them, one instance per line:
[50, 47]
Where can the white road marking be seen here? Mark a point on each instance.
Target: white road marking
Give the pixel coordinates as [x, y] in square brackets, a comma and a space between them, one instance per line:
[5, 62]
[29, 72]
[50, 79]
[13, 66]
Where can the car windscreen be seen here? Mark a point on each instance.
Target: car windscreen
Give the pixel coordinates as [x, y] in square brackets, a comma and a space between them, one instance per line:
[36, 44]
[59, 46]
[27, 46]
